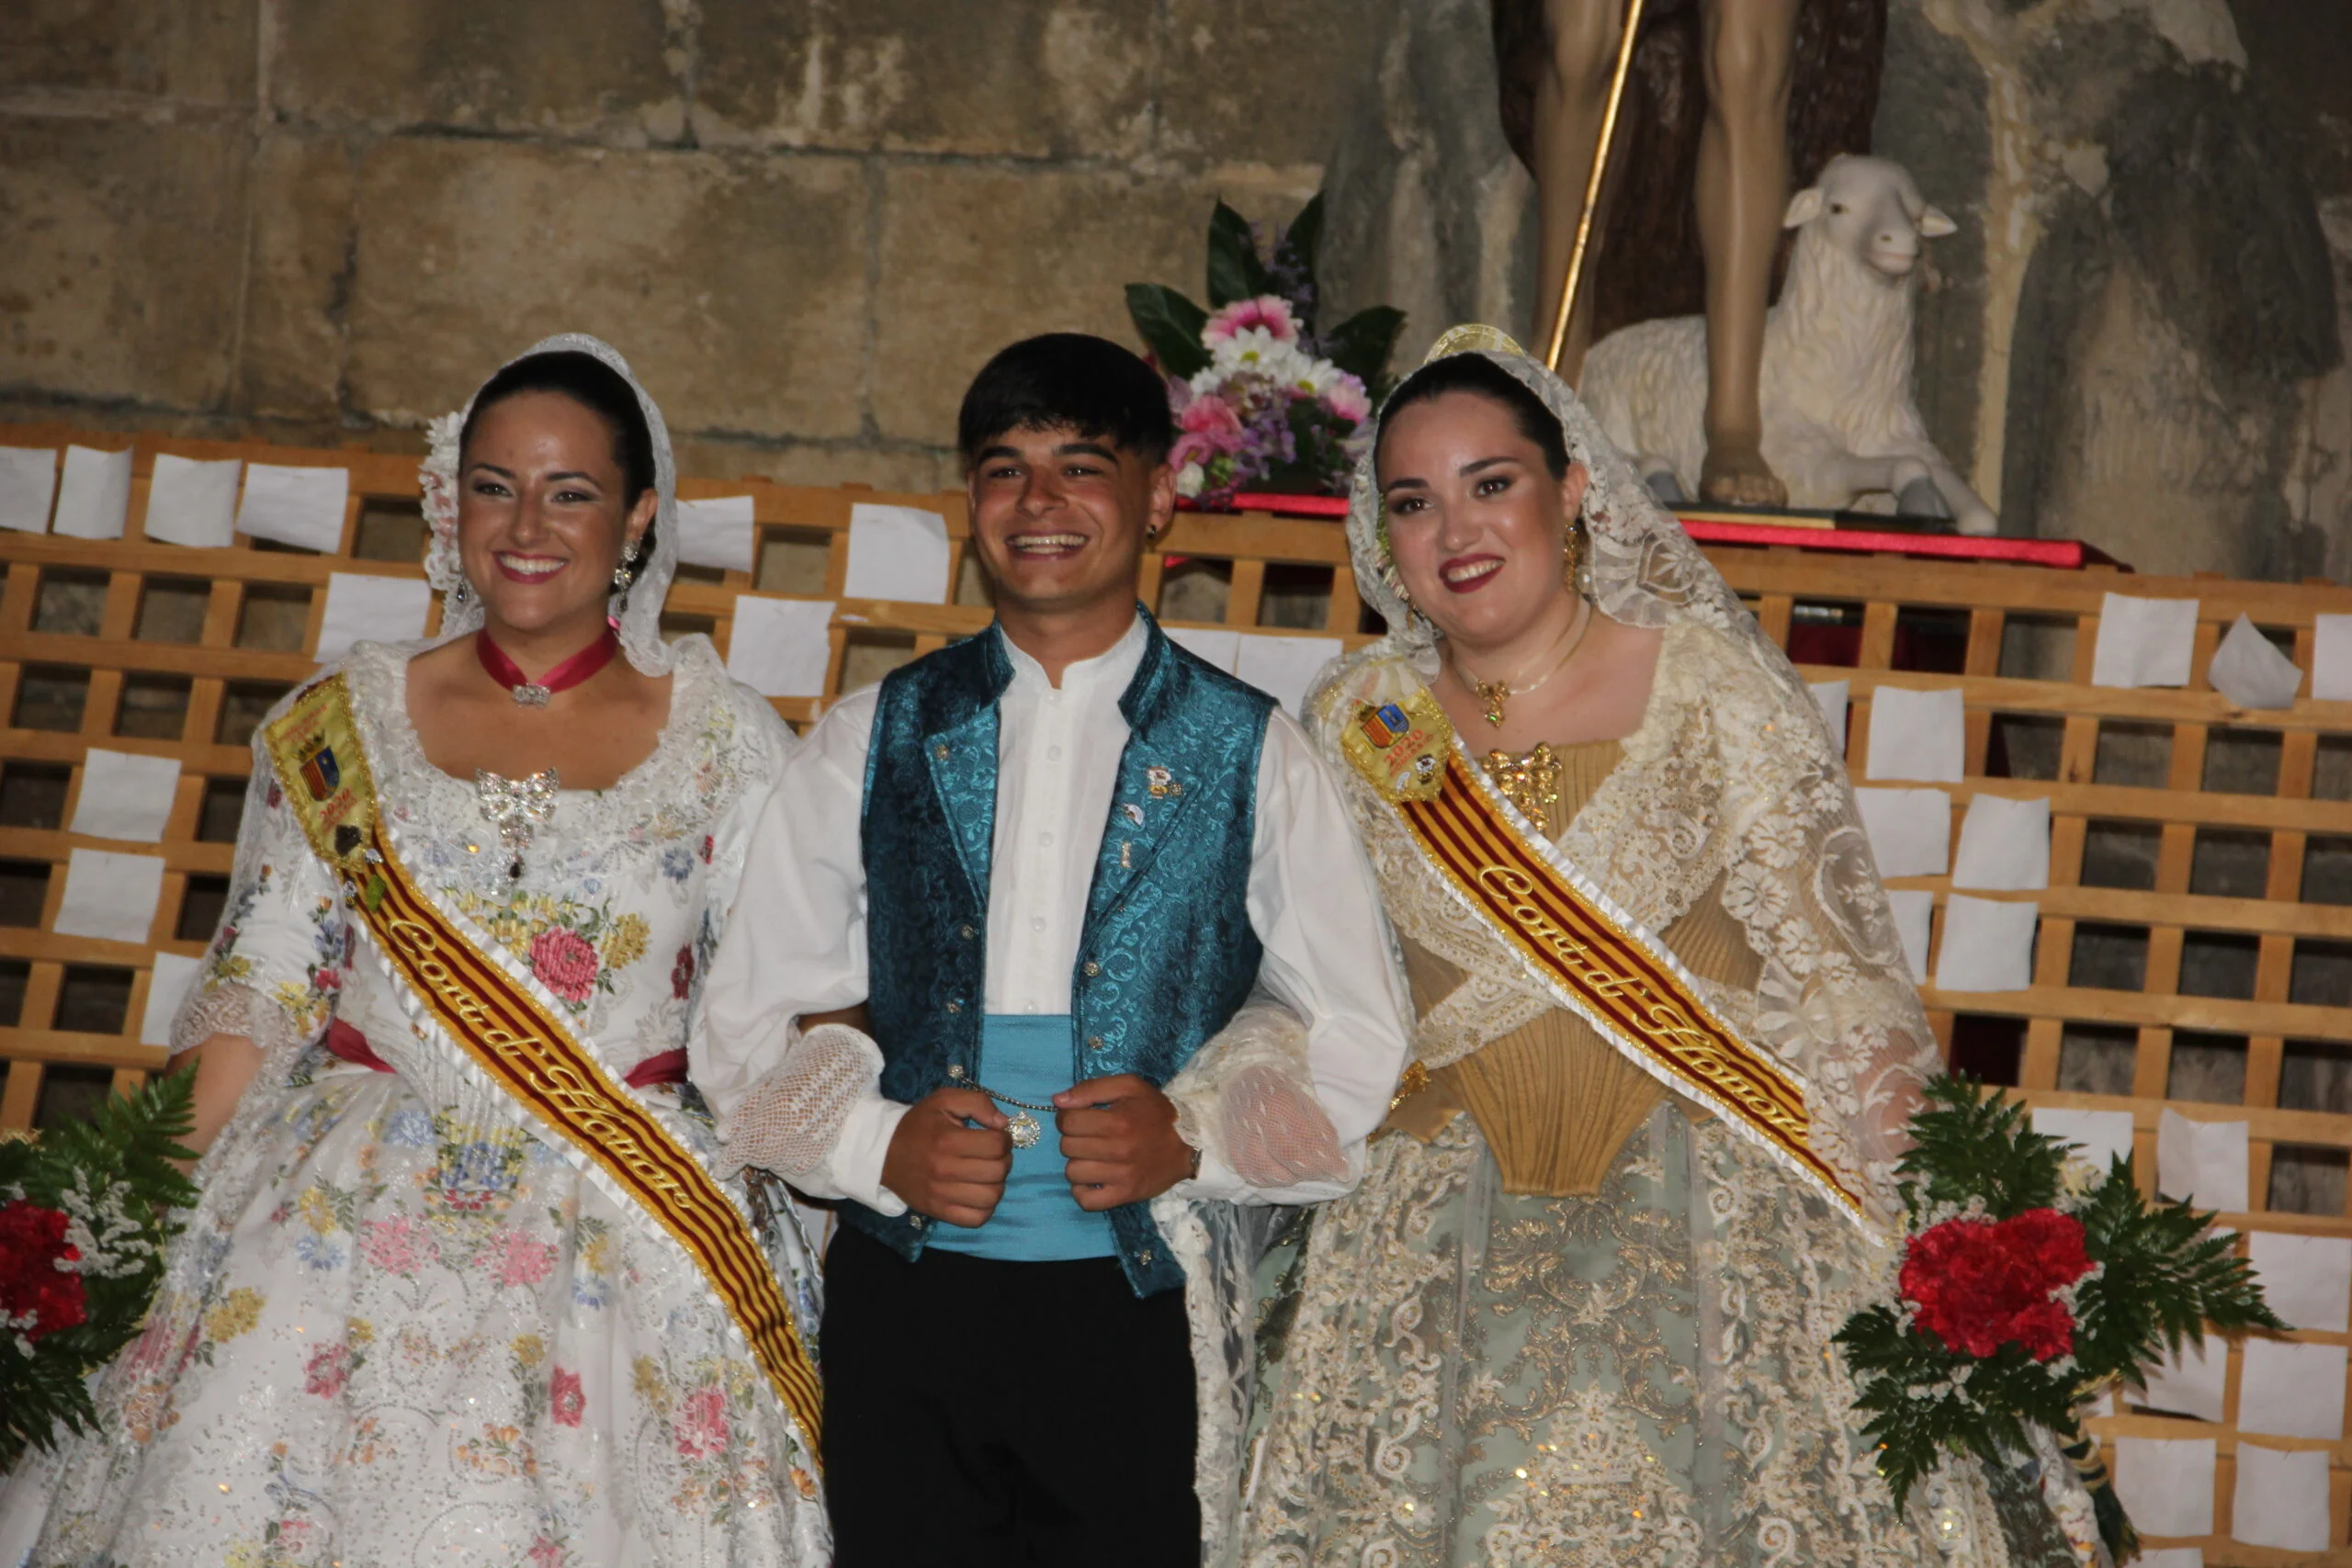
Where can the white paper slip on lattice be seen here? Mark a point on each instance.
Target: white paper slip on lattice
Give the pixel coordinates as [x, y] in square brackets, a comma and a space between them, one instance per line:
[780, 647]
[897, 552]
[125, 796]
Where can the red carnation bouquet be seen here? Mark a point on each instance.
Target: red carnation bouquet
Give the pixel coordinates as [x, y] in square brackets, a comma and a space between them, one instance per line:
[1977, 1284]
[2029, 1284]
[86, 1213]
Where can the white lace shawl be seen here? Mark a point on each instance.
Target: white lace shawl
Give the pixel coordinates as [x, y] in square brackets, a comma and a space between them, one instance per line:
[640, 624]
[1732, 775]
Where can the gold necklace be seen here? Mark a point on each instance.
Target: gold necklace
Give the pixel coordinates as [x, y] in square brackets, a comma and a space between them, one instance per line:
[1495, 693]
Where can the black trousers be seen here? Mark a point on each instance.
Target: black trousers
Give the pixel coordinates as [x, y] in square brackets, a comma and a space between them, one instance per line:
[980, 1413]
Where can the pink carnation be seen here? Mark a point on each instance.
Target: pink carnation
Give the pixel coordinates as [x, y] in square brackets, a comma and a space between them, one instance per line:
[1268, 311]
[565, 962]
[1346, 399]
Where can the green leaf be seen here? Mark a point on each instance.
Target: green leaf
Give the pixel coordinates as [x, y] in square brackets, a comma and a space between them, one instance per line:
[122, 1153]
[1361, 345]
[1301, 242]
[1235, 271]
[1170, 326]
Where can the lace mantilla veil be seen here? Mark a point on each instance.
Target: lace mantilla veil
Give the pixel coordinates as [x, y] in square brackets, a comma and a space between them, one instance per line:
[1732, 775]
[640, 624]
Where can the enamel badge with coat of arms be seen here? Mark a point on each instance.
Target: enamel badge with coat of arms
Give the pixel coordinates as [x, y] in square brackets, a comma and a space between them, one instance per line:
[1400, 747]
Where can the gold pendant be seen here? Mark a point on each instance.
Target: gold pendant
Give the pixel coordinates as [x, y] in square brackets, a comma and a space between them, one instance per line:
[1532, 782]
[1493, 693]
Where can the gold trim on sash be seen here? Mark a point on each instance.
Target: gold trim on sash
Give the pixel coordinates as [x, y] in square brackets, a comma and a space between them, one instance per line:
[525, 1047]
[1634, 997]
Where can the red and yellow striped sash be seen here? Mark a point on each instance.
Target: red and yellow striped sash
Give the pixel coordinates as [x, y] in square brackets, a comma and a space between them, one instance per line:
[1634, 996]
[524, 1046]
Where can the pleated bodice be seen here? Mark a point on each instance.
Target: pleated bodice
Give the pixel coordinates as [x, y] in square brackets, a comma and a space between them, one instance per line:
[1553, 1100]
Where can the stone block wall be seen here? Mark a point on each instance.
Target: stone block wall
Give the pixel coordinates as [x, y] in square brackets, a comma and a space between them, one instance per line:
[806, 222]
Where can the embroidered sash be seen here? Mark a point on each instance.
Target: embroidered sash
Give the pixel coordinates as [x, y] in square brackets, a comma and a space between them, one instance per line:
[1589, 956]
[523, 1045]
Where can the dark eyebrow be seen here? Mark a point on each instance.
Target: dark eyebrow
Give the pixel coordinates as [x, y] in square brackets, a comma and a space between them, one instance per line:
[1469, 468]
[509, 473]
[1405, 481]
[999, 450]
[1086, 449]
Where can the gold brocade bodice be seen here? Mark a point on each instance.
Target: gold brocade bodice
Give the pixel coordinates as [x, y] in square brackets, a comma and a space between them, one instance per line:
[1554, 1100]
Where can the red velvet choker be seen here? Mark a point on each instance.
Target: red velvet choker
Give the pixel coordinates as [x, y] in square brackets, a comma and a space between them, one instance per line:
[529, 693]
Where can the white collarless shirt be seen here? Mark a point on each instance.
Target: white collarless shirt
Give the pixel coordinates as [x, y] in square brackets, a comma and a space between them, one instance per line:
[796, 942]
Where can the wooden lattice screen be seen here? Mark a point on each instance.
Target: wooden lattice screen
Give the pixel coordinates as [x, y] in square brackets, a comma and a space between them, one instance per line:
[2195, 945]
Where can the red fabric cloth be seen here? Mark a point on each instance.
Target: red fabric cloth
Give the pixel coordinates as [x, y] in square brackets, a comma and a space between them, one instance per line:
[352, 1046]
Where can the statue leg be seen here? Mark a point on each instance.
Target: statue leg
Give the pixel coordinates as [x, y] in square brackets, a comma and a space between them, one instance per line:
[1743, 181]
[1580, 47]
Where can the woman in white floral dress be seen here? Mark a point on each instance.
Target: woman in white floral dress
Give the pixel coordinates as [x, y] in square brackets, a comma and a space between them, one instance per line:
[404, 1325]
[1579, 1311]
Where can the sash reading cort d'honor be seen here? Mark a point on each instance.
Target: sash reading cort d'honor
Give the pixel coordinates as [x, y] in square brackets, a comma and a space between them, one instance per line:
[522, 1044]
[1581, 950]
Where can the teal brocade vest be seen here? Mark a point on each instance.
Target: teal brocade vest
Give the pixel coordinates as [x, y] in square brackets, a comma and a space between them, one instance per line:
[1166, 953]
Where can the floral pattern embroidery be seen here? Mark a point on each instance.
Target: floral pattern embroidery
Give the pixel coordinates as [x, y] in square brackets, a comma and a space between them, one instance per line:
[441, 1291]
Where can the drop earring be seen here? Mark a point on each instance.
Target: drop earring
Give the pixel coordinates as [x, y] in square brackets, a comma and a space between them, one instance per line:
[623, 575]
[460, 593]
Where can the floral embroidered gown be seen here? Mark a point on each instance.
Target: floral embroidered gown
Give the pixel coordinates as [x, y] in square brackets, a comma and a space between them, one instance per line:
[401, 1328]
[1569, 1318]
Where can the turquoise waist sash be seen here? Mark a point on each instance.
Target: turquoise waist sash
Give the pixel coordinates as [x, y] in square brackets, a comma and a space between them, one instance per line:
[1027, 1057]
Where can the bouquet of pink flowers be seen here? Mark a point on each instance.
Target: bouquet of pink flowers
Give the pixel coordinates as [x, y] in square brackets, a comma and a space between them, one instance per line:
[1263, 400]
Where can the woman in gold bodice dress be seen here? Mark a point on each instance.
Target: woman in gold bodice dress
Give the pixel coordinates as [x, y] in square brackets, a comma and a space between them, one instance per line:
[1580, 1309]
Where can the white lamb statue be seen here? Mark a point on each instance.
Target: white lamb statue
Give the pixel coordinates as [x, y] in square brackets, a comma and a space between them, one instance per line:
[1839, 419]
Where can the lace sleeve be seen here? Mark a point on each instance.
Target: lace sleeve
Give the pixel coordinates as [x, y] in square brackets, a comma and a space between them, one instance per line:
[1247, 1102]
[1834, 999]
[283, 949]
[790, 1120]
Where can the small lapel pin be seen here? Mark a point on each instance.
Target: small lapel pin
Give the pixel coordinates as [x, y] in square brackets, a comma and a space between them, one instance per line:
[1132, 813]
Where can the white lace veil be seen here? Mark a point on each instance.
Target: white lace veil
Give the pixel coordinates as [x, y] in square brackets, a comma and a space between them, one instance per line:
[1746, 748]
[1639, 566]
[640, 625]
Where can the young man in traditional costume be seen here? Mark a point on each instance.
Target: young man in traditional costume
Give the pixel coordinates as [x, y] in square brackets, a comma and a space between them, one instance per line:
[1052, 861]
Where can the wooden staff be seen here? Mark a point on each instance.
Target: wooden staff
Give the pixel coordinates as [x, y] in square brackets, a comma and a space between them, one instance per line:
[1592, 183]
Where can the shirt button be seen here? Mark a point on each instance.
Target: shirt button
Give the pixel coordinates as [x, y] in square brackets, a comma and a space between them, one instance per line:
[954, 1007]
[1053, 754]
[1093, 968]
[1094, 1042]
[939, 752]
[1144, 1256]
[1037, 923]
[1046, 840]
[966, 932]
